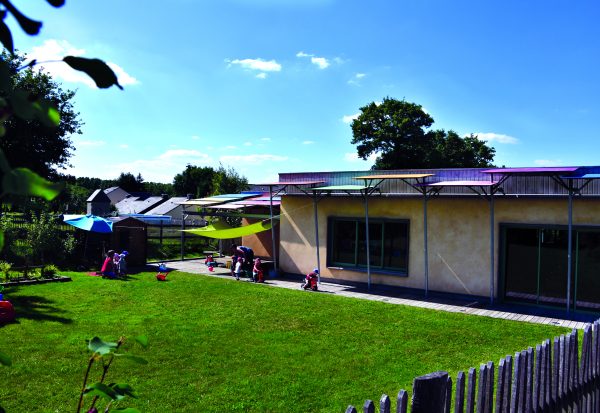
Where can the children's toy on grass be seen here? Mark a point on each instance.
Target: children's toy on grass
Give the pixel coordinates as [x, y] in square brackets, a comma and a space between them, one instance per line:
[210, 262]
[7, 311]
[311, 281]
[162, 272]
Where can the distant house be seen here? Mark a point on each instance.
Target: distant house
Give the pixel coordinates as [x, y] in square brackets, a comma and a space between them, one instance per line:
[138, 204]
[172, 207]
[98, 203]
[116, 194]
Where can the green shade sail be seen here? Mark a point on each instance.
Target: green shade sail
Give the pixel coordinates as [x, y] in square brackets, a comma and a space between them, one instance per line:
[220, 230]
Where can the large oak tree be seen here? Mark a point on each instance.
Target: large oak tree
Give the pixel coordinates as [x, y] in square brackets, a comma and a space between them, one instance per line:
[398, 132]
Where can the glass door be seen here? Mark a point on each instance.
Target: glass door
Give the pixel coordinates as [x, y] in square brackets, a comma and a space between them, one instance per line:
[587, 270]
[553, 267]
[522, 264]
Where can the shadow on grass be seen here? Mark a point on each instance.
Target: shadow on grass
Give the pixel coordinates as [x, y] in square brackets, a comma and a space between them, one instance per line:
[38, 308]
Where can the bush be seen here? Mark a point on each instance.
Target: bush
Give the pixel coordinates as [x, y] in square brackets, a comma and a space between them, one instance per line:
[5, 269]
[49, 271]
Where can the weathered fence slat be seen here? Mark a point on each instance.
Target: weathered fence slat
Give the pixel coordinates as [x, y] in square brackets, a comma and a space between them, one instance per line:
[489, 388]
[516, 385]
[508, 374]
[384, 404]
[351, 409]
[481, 391]
[369, 406]
[471, 390]
[459, 399]
[528, 379]
[538, 381]
[448, 395]
[595, 366]
[500, 387]
[429, 393]
[547, 366]
[402, 402]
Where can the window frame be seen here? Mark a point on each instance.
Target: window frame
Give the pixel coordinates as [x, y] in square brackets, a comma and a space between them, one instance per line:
[355, 266]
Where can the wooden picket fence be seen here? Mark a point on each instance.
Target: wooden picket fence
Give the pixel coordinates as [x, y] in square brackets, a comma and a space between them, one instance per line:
[551, 378]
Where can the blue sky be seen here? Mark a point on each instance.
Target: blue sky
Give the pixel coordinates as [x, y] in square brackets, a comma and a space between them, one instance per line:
[270, 86]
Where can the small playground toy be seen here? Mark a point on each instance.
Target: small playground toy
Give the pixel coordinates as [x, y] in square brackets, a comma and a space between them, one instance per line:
[7, 311]
[162, 272]
[210, 262]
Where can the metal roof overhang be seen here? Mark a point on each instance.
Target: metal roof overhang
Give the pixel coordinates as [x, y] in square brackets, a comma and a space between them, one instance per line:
[291, 183]
[232, 206]
[200, 202]
[462, 183]
[395, 176]
[532, 171]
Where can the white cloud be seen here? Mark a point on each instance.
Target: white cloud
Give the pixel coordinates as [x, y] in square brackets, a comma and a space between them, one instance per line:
[123, 146]
[247, 143]
[256, 159]
[321, 62]
[90, 143]
[261, 75]
[124, 77]
[350, 118]
[195, 137]
[229, 147]
[547, 162]
[307, 142]
[50, 54]
[496, 137]
[265, 139]
[160, 168]
[356, 79]
[177, 154]
[258, 64]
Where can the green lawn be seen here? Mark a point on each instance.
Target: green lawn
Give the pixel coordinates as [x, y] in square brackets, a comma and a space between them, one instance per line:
[227, 346]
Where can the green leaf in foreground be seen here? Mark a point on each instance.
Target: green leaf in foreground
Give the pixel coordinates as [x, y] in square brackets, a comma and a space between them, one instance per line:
[99, 71]
[142, 340]
[123, 390]
[6, 37]
[23, 181]
[5, 360]
[101, 390]
[136, 359]
[126, 410]
[97, 345]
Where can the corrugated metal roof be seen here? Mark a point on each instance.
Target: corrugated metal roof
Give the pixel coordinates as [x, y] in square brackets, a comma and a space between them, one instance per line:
[515, 185]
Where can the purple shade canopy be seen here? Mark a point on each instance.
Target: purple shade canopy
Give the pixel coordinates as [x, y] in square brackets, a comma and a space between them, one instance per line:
[532, 171]
[291, 183]
[259, 202]
[462, 183]
[584, 176]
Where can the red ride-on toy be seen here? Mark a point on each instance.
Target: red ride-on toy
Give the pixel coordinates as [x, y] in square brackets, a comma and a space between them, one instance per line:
[311, 281]
[7, 311]
[162, 272]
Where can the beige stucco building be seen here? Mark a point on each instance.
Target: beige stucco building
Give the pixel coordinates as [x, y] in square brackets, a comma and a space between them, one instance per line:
[530, 236]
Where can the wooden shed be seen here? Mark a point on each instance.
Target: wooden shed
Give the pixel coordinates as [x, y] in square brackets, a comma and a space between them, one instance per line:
[129, 234]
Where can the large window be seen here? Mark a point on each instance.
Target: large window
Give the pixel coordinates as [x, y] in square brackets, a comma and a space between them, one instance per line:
[536, 268]
[388, 242]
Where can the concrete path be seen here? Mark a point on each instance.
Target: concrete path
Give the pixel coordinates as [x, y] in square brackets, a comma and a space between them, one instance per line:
[410, 299]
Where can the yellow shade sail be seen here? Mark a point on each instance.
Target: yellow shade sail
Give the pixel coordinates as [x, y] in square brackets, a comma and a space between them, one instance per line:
[220, 230]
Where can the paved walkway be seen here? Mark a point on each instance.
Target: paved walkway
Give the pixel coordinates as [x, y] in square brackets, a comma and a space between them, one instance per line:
[454, 305]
